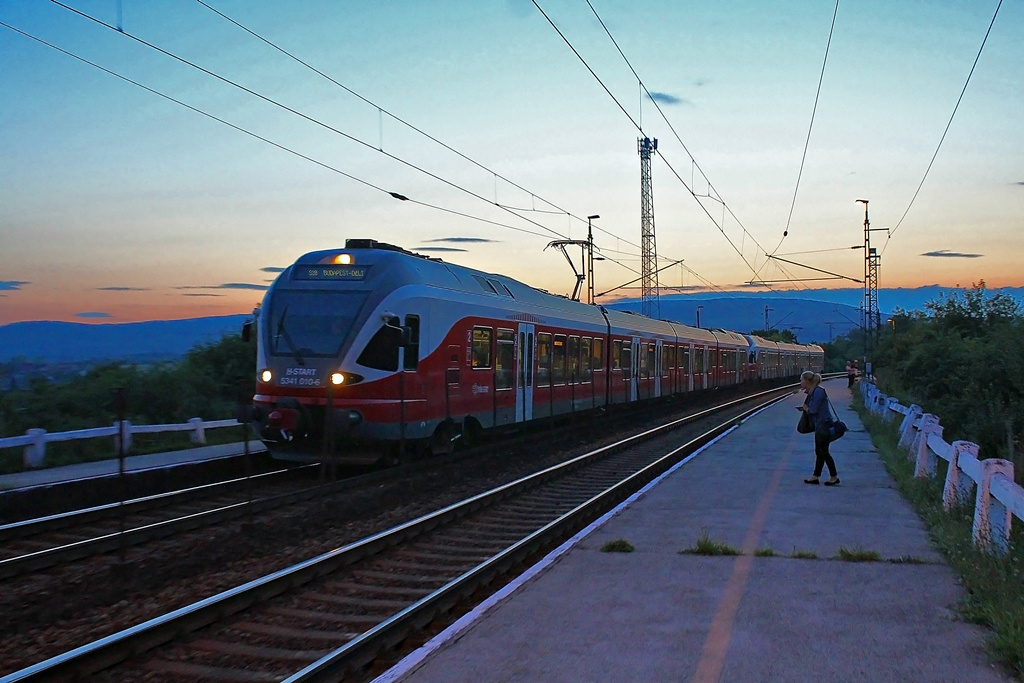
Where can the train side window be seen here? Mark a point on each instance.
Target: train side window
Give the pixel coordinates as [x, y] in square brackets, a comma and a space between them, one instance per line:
[412, 348]
[481, 348]
[543, 359]
[698, 361]
[587, 357]
[381, 352]
[574, 359]
[627, 360]
[683, 361]
[616, 355]
[644, 369]
[667, 356]
[598, 355]
[504, 359]
[558, 364]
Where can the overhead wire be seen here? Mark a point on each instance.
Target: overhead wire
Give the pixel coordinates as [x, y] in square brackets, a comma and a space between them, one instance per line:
[810, 127]
[266, 140]
[353, 138]
[416, 129]
[948, 124]
[394, 116]
[717, 196]
[306, 117]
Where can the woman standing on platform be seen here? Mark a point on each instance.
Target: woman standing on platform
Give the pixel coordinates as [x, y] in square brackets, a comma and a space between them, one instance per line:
[817, 406]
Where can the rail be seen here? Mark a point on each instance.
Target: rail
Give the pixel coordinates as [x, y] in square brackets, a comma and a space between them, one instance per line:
[35, 440]
[997, 498]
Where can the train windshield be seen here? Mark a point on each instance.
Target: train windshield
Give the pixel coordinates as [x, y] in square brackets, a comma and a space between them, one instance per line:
[311, 323]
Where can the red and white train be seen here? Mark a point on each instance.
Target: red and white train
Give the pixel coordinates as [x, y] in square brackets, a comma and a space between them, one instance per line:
[373, 345]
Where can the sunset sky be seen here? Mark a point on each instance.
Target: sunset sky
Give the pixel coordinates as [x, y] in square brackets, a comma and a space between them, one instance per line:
[119, 205]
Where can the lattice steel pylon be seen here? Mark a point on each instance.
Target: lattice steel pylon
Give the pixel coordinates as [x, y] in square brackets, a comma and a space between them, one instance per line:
[650, 304]
[872, 317]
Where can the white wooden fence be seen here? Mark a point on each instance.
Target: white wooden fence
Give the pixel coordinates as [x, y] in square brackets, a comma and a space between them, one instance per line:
[35, 440]
[997, 498]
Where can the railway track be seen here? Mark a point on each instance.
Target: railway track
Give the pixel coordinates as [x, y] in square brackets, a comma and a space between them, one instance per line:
[48, 541]
[371, 595]
[60, 539]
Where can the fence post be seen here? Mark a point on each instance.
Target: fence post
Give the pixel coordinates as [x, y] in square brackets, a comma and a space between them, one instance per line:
[881, 401]
[926, 461]
[907, 432]
[991, 517]
[890, 413]
[921, 432]
[36, 451]
[957, 491]
[198, 434]
[127, 435]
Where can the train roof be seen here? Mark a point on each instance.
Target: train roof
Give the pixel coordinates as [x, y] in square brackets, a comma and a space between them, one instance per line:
[367, 264]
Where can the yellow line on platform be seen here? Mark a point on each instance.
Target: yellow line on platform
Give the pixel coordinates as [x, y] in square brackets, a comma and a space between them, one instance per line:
[712, 656]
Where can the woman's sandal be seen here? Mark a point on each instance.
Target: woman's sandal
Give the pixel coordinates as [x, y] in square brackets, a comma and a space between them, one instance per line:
[813, 480]
[832, 482]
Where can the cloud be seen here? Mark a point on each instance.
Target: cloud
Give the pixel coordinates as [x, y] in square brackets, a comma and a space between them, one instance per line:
[200, 294]
[93, 314]
[123, 289]
[463, 240]
[946, 253]
[665, 98]
[238, 285]
[9, 285]
[1020, 182]
[272, 269]
[438, 249]
[701, 82]
[227, 285]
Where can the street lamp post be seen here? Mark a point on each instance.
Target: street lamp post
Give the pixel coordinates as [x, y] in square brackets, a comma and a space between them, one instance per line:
[698, 315]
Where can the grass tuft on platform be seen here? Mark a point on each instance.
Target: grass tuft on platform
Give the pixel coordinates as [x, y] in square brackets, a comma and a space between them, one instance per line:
[705, 546]
[619, 545]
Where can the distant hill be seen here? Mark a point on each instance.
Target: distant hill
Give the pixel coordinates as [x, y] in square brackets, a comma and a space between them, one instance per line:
[806, 312]
[809, 320]
[60, 342]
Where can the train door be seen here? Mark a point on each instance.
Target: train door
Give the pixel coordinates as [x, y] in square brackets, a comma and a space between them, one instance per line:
[634, 368]
[657, 368]
[452, 380]
[524, 373]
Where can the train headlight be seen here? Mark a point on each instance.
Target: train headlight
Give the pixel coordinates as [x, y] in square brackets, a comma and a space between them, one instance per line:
[266, 376]
[344, 259]
[337, 378]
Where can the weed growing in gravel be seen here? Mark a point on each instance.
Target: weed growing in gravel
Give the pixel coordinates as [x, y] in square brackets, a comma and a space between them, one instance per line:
[764, 552]
[705, 546]
[619, 545]
[995, 585]
[906, 559]
[803, 554]
[857, 555]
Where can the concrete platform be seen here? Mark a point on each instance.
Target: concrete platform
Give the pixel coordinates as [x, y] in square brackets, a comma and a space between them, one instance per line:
[659, 615]
[133, 463]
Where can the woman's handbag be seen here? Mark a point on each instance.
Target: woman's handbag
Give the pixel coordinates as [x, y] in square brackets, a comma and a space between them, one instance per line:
[836, 428]
[806, 424]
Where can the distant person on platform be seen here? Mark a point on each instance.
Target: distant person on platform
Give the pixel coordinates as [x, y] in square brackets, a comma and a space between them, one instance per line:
[851, 373]
[817, 405]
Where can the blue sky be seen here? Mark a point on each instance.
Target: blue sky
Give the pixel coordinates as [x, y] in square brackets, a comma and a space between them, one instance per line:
[119, 205]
